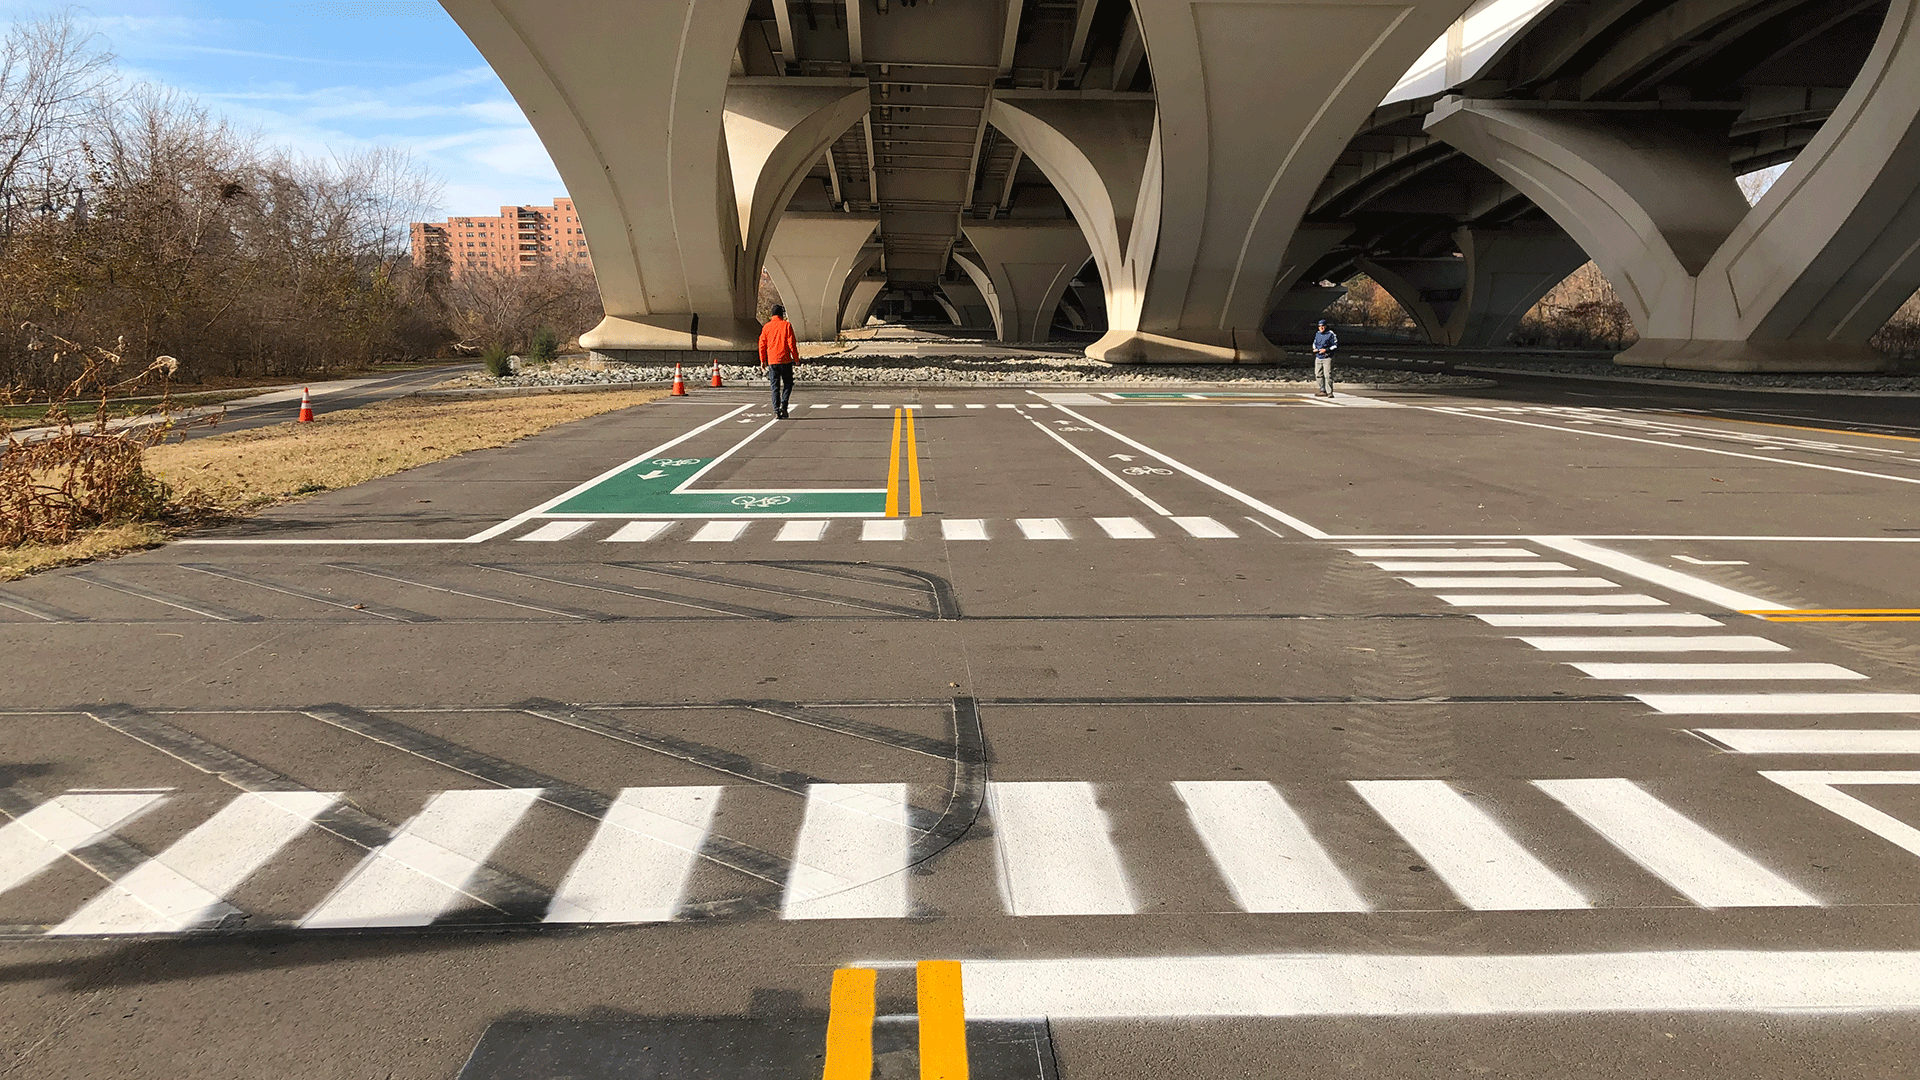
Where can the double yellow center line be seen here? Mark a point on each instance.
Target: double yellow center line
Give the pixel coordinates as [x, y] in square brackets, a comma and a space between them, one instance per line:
[943, 1023]
[908, 492]
[1841, 615]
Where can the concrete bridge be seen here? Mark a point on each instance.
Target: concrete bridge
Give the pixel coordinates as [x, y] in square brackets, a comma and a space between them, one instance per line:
[1185, 173]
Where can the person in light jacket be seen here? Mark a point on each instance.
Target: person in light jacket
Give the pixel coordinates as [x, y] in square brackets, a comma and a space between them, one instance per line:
[1325, 341]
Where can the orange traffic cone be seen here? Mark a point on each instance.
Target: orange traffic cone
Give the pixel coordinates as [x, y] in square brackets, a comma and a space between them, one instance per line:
[716, 372]
[306, 407]
[679, 383]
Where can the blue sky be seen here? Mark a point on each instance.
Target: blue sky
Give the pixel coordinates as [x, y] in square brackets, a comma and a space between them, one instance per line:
[323, 76]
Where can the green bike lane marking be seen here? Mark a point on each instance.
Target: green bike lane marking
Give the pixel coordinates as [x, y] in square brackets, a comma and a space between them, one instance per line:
[656, 489]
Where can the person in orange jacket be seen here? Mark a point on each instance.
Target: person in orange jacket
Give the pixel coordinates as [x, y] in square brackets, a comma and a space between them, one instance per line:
[778, 351]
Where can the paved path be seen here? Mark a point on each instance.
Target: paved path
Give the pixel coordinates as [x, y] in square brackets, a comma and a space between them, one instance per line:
[1213, 734]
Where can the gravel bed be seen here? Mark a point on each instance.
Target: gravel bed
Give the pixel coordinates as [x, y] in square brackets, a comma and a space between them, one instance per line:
[1609, 369]
[966, 370]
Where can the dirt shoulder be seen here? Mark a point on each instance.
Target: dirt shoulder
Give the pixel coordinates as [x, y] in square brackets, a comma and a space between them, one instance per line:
[226, 476]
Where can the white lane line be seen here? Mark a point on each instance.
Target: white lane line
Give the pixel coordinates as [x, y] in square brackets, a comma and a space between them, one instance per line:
[976, 406]
[819, 406]
[1139, 495]
[1671, 619]
[636, 867]
[1561, 600]
[638, 532]
[852, 855]
[1284, 518]
[423, 871]
[1702, 643]
[1729, 672]
[182, 888]
[720, 532]
[802, 532]
[1781, 704]
[554, 531]
[1516, 582]
[1663, 576]
[1679, 446]
[1822, 788]
[883, 530]
[1205, 528]
[943, 406]
[1443, 553]
[1814, 741]
[1673, 847]
[1416, 566]
[849, 406]
[43, 835]
[1043, 529]
[1477, 858]
[1055, 854]
[1269, 859]
[1124, 528]
[963, 529]
[1363, 984]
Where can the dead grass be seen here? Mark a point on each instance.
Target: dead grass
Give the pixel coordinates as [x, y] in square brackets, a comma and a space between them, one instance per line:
[227, 475]
[102, 543]
[250, 469]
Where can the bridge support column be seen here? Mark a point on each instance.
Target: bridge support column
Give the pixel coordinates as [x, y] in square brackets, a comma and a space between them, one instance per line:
[860, 301]
[678, 172]
[1030, 267]
[1477, 299]
[1797, 283]
[810, 260]
[1240, 144]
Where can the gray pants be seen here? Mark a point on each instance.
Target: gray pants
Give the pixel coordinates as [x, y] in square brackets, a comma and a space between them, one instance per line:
[1323, 371]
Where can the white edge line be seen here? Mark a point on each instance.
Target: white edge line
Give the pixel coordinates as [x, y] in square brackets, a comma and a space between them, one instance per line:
[1285, 519]
[709, 466]
[1102, 470]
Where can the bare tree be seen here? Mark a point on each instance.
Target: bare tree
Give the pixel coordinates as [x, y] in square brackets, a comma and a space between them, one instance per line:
[506, 307]
[56, 82]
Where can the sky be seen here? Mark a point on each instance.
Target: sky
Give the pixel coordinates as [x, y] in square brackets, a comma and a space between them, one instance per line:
[331, 76]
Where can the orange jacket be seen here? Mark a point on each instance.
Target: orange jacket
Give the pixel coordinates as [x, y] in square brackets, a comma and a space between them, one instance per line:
[776, 342]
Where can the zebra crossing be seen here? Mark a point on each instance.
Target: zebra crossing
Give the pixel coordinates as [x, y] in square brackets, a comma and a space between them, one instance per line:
[1055, 852]
[1558, 604]
[884, 530]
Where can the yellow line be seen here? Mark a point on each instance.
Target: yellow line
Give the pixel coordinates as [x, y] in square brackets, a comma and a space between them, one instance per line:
[1843, 611]
[1845, 618]
[943, 1021]
[913, 467]
[850, 1026]
[893, 469]
[1795, 427]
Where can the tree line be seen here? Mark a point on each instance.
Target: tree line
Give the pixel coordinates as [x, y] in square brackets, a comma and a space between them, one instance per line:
[132, 218]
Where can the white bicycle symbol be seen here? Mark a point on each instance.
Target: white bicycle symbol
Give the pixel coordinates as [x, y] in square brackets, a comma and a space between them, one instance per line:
[1147, 470]
[756, 502]
[675, 463]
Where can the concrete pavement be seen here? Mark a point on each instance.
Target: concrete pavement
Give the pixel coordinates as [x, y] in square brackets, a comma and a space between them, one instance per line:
[1214, 734]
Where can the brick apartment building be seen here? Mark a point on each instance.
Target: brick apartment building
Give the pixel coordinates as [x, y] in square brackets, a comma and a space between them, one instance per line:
[521, 237]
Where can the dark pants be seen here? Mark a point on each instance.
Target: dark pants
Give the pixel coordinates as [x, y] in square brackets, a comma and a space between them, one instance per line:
[781, 376]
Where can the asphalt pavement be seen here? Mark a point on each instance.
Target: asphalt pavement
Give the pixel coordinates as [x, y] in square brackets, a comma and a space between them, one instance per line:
[1547, 730]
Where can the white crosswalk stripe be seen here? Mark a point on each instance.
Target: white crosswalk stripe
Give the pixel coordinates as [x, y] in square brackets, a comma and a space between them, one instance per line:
[720, 532]
[1703, 643]
[1124, 528]
[1596, 620]
[1703, 672]
[1515, 582]
[1263, 849]
[1484, 866]
[802, 531]
[42, 836]
[639, 532]
[181, 888]
[890, 530]
[1570, 601]
[637, 865]
[555, 531]
[1056, 856]
[1043, 529]
[851, 859]
[883, 530]
[1704, 868]
[423, 871]
[1205, 528]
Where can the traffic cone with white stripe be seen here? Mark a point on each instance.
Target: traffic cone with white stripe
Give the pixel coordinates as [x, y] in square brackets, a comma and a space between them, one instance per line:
[716, 372]
[679, 383]
[306, 407]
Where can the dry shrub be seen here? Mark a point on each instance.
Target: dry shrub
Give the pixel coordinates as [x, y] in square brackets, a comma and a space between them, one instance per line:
[57, 483]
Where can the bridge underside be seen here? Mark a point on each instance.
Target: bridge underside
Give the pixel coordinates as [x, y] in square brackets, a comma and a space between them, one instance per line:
[1146, 176]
